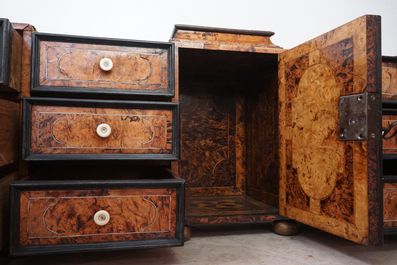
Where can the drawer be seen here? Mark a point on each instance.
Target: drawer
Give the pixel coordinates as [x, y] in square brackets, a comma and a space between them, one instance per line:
[390, 205]
[389, 77]
[10, 57]
[389, 145]
[72, 65]
[65, 129]
[73, 216]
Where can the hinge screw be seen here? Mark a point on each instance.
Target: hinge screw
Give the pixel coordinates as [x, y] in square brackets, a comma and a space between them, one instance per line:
[373, 97]
[342, 135]
[373, 135]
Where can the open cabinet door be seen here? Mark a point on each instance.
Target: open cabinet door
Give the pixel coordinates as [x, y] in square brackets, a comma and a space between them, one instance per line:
[330, 170]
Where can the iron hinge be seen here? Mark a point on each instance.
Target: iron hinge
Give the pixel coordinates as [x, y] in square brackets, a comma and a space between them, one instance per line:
[358, 117]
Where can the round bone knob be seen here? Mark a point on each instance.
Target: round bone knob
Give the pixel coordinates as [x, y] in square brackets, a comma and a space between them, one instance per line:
[106, 64]
[103, 130]
[101, 217]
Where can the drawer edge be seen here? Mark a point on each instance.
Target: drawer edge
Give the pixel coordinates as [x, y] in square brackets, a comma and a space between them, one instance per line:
[92, 247]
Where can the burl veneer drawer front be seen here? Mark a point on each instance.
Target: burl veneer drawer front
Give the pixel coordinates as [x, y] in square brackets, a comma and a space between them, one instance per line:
[64, 129]
[56, 217]
[389, 77]
[72, 64]
[389, 145]
[390, 205]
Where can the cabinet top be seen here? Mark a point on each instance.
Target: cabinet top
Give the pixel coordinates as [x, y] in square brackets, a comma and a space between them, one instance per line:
[180, 27]
[200, 34]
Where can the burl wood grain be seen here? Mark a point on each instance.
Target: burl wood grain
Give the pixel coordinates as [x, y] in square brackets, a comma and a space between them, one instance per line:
[224, 39]
[227, 210]
[9, 132]
[389, 80]
[213, 120]
[72, 130]
[390, 145]
[225, 206]
[261, 112]
[390, 205]
[60, 217]
[77, 65]
[26, 31]
[324, 182]
[208, 153]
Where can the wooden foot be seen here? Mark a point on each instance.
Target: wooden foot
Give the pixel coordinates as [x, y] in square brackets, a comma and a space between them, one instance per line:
[286, 228]
[187, 232]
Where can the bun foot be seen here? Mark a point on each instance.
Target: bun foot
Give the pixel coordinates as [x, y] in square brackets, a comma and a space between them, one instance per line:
[187, 232]
[286, 228]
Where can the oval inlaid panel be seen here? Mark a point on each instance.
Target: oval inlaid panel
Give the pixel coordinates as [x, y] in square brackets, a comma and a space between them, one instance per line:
[318, 156]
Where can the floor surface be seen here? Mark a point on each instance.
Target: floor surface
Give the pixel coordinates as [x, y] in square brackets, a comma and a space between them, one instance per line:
[238, 244]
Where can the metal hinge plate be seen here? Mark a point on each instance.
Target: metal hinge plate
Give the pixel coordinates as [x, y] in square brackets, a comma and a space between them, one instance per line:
[357, 117]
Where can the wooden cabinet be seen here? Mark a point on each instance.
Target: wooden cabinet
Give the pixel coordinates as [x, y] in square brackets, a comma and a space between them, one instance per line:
[259, 134]
[389, 117]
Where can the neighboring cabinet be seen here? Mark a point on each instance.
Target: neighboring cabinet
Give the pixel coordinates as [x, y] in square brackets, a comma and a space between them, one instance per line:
[389, 117]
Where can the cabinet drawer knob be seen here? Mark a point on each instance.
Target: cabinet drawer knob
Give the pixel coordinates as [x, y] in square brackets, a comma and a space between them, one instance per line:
[106, 64]
[101, 217]
[103, 130]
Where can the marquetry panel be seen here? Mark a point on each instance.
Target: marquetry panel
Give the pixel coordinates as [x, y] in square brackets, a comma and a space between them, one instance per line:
[72, 130]
[71, 64]
[61, 216]
[325, 181]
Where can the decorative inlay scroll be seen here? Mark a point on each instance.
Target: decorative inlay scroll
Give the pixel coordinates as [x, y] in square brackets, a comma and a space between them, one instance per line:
[82, 65]
[389, 82]
[77, 130]
[73, 216]
[59, 67]
[154, 219]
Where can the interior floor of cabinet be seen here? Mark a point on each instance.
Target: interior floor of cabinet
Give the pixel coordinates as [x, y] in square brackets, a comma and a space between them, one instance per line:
[223, 205]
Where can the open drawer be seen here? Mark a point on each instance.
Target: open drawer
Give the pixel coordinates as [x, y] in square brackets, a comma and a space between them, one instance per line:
[60, 216]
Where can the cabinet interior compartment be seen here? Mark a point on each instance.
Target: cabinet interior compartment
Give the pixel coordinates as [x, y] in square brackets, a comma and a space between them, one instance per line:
[229, 135]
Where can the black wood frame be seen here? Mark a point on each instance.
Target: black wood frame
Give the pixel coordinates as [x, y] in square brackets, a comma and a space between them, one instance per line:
[6, 33]
[90, 103]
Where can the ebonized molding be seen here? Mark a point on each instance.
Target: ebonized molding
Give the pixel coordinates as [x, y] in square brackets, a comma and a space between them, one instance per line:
[6, 32]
